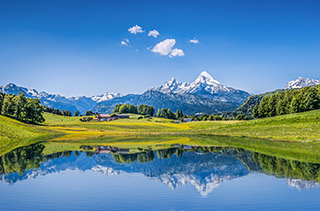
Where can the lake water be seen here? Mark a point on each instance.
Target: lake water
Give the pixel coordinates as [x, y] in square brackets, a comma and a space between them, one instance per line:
[175, 178]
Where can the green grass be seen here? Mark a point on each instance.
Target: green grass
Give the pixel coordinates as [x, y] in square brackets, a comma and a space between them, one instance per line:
[15, 134]
[293, 127]
[269, 135]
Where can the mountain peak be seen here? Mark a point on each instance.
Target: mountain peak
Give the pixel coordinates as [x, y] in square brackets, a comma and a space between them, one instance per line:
[9, 85]
[206, 78]
[301, 82]
[172, 80]
[206, 86]
[205, 74]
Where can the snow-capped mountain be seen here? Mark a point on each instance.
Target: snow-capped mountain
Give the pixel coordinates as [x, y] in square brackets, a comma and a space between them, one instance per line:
[172, 86]
[302, 184]
[204, 85]
[105, 96]
[206, 82]
[204, 95]
[301, 82]
[81, 104]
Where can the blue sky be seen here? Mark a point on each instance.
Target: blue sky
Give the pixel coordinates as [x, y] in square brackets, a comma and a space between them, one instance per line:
[74, 47]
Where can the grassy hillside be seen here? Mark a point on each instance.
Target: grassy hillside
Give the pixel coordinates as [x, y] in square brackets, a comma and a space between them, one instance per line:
[293, 127]
[14, 134]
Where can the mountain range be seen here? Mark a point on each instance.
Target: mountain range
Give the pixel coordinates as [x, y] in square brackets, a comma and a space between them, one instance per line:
[301, 82]
[205, 86]
[204, 95]
[81, 104]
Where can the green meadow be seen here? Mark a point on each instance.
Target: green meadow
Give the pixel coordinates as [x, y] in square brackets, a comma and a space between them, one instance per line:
[293, 136]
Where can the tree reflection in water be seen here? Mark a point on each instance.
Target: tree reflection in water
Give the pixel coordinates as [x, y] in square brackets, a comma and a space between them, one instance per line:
[22, 159]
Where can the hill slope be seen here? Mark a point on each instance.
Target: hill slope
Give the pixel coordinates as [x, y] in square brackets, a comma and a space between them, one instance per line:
[247, 107]
[14, 134]
[303, 126]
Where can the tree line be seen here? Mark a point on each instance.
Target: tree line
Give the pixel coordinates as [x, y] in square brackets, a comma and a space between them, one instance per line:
[58, 111]
[167, 113]
[288, 102]
[21, 108]
[148, 110]
[130, 108]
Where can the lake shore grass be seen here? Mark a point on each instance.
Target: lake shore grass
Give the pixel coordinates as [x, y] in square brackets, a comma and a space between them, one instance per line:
[303, 128]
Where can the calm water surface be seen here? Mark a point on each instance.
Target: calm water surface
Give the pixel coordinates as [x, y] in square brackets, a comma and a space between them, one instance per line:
[177, 178]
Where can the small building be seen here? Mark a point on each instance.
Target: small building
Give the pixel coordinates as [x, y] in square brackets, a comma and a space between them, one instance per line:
[187, 119]
[103, 117]
[177, 121]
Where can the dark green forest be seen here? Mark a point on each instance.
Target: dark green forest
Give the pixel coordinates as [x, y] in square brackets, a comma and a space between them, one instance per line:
[288, 102]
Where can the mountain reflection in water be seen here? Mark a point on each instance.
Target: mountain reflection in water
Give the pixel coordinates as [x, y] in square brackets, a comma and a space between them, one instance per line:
[203, 167]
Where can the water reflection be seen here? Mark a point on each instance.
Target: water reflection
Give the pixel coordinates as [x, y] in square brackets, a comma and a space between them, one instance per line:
[203, 167]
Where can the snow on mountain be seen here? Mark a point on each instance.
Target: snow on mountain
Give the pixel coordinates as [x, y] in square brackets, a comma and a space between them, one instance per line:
[106, 96]
[203, 185]
[172, 86]
[302, 184]
[81, 104]
[204, 80]
[205, 90]
[204, 85]
[301, 82]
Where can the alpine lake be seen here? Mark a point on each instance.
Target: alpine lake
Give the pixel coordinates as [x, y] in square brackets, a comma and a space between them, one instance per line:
[102, 176]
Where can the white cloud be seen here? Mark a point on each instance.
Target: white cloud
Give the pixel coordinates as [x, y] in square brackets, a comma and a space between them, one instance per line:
[125, 42]
[154, 33]
[194, 41]
[135, 29]
[176, 52]
[165, 48]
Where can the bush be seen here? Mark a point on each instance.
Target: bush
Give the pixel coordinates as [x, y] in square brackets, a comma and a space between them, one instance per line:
[89, 113]
[240, 117]
[86, 119]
